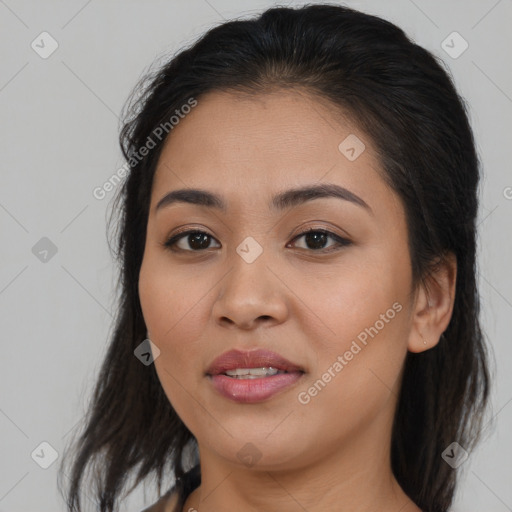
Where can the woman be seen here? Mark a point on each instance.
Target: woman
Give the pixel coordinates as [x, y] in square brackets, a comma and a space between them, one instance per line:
[298, 325]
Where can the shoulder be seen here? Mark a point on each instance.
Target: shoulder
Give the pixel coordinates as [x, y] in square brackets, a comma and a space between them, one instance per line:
[166, 503]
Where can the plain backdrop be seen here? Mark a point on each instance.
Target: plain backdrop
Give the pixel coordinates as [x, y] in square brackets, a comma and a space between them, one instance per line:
[58, 139]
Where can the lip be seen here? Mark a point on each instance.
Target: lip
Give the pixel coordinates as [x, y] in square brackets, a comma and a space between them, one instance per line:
[252, 390]
[250, 359]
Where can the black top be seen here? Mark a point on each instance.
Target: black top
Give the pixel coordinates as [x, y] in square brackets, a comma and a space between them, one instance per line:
[183, 486]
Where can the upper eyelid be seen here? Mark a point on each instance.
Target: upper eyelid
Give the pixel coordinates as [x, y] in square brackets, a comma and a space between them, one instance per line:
[331, 230]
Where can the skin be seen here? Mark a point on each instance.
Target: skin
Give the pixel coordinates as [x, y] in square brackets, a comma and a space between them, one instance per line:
[306, 304]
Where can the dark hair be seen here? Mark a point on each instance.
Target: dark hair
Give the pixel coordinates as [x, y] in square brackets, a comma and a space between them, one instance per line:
[401, 97]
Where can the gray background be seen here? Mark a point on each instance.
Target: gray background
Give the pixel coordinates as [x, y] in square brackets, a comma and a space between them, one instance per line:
[59, 141]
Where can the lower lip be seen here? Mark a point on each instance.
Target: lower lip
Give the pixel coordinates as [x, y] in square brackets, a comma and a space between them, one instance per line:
[253, 390]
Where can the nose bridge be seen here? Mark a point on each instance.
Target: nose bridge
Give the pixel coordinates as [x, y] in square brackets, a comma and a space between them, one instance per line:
[250, 289]
[249, 264]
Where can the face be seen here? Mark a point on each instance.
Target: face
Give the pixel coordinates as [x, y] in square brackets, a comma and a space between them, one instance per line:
[335, 302]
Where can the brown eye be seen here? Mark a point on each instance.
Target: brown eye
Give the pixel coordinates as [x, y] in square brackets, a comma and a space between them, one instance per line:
[197, 241]
[316, 239]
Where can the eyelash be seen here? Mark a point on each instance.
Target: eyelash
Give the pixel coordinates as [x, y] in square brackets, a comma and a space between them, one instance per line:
[342, 242]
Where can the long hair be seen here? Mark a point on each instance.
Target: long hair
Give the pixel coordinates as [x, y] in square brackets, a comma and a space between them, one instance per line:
[402, 97]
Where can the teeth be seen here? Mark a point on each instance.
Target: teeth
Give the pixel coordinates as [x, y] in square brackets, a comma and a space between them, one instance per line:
[253, 373]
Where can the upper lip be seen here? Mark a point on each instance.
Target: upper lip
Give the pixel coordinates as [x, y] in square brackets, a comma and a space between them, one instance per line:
[250, 359]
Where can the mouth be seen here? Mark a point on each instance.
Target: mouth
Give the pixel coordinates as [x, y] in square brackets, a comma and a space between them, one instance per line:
[253, 373]
[256, 363]
[253, 376]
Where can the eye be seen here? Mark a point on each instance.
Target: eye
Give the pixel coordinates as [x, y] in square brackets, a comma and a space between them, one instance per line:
[318, 237]
[198, 240]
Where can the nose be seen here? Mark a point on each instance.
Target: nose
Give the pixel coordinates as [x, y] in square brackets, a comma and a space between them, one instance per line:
[251, 294]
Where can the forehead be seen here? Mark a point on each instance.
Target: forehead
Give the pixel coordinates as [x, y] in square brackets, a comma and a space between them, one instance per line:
[233, 142]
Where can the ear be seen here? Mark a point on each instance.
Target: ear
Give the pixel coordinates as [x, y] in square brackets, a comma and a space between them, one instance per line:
[433, 305]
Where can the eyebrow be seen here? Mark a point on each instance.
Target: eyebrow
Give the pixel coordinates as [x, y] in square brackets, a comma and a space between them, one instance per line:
[281, 201]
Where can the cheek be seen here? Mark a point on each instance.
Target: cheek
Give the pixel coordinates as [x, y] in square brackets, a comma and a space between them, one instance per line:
[356, 376]
[352, 301]
[174, 315]
[360, 355]
[175, 309]
[170, 300]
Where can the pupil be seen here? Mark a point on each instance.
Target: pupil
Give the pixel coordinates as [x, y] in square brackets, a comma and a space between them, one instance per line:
[315, 238]
[196, 237]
